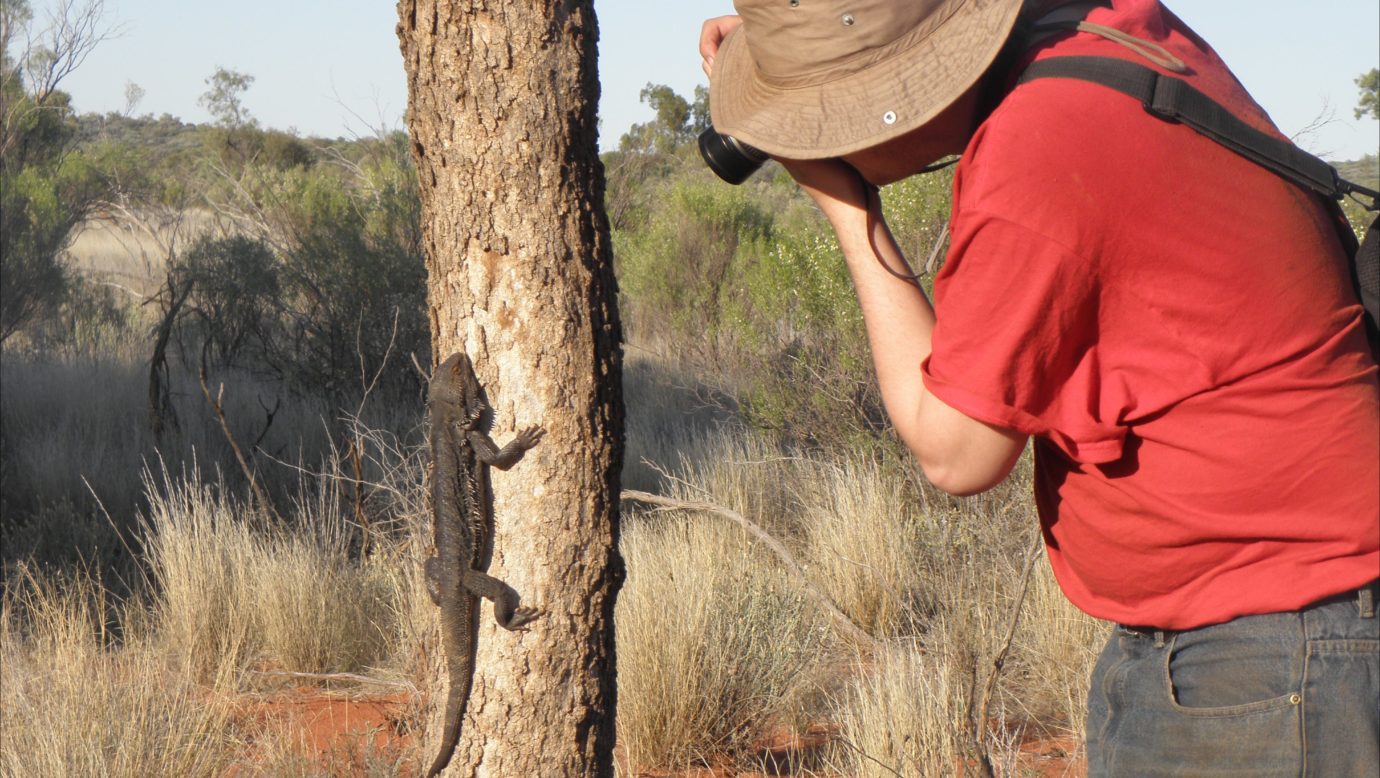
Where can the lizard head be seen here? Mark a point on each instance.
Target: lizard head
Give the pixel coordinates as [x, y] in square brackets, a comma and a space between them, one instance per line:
[455, 391]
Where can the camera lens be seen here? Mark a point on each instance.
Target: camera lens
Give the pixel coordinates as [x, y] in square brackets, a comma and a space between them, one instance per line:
[729, 158]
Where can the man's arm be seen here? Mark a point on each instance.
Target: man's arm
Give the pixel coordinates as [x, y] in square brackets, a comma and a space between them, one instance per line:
[959, 454]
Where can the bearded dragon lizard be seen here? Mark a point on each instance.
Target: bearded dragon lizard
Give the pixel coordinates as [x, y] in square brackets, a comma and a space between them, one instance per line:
[462, 508]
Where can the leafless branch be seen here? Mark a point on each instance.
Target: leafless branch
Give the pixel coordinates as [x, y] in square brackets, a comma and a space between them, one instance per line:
[1307, 136]
[821, 599]
[980, 718]
[74, 28]
[219, 411]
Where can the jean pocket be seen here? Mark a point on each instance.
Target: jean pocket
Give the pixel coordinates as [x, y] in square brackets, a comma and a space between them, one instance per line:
[1234, 670]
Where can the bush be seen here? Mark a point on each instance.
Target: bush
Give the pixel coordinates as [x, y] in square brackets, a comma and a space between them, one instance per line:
[353, 285]
[47, 187]
[235, 295]
[346, 279]
[748, 284]
[680, 273]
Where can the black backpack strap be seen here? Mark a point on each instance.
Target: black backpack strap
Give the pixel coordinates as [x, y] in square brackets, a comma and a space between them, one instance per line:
[1175, 100]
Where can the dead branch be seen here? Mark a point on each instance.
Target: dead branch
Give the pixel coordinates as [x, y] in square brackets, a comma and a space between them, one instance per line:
[980, 720]
[217, 408]
[269, 415]
[361, 518]
[159, 402]
[338, 677]
[821, 599]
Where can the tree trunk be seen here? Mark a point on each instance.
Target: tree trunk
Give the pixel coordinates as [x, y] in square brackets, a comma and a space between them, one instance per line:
[501, 110]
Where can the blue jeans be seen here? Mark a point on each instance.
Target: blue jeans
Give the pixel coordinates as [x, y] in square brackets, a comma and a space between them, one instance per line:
[1283, 694]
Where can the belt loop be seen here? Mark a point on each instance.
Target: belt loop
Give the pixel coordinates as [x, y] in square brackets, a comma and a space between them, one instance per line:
[1366, 599]
[1159, 638]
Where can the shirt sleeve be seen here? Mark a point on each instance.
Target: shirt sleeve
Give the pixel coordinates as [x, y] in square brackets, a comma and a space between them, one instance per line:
[1016, 343]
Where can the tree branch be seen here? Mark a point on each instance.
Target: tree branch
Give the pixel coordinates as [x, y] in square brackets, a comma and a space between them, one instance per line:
[215, 404]
[980, 720]
[821, 599]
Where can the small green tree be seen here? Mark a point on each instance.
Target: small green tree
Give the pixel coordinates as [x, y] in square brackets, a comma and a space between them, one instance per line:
[1368, 104]
[671, 127]
[651, 152]
[224, 98]
[679, 271]
[234, 295]
[46, 188]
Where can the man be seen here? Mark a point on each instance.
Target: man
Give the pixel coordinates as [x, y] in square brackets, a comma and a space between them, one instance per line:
[1172, 324]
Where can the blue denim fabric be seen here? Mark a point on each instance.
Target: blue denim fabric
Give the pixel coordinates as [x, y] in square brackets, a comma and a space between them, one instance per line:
[1283, 694]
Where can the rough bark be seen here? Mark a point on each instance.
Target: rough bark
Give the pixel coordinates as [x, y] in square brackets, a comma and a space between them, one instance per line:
[501, 111]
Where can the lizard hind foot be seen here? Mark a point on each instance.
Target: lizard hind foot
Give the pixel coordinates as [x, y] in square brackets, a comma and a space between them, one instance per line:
[520, 618]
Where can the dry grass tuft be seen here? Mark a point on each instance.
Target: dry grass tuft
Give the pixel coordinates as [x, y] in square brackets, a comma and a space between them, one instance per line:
[1052, 659]
[713, 642]
[902, 717]
[197, 549]
[865, 543]
[229, 594]
[74, 704]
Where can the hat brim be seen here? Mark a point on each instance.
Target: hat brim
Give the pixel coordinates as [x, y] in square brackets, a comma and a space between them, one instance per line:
[863, 109]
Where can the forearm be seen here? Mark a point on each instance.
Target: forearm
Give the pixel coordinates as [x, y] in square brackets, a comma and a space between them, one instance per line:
[957, 453]
[899, 317]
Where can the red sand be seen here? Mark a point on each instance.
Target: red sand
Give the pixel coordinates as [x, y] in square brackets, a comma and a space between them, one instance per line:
[331, 730]
[340, 733]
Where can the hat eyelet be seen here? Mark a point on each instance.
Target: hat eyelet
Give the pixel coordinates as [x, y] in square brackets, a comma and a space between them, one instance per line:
[795, 3]
[847, 20]
[889, 117]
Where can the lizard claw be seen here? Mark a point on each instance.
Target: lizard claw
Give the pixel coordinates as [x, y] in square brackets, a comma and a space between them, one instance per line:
[529, 437]
[521, 618]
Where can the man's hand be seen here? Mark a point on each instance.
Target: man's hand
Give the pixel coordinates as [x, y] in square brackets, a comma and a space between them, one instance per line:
[712, 34]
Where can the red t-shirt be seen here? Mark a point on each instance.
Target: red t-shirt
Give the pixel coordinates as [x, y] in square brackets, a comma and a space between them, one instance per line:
[1176, 327]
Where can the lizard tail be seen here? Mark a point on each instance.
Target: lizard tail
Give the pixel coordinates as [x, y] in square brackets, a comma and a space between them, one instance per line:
[461, 677]
[460, 681]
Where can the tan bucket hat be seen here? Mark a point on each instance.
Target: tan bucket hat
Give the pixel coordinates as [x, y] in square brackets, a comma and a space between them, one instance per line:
[810, 79]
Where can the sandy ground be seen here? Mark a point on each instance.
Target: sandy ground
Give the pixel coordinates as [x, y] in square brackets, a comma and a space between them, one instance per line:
[341, 734]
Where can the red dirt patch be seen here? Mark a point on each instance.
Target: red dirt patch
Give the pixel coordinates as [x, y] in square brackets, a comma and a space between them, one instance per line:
[342, 733]
[345, 733]
[1053, 758]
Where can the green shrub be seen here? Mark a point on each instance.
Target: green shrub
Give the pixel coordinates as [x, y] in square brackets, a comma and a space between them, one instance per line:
[235, 296]
[681, 272]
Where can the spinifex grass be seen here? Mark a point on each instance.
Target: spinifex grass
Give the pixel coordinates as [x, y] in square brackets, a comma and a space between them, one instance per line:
[77, 702]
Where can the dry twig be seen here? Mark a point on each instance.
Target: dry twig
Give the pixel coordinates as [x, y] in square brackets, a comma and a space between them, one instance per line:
[338, 677]
[980, 718]
[215, 403]
[846, 624]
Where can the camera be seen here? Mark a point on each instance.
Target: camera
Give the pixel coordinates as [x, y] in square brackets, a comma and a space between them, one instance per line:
[729, 158]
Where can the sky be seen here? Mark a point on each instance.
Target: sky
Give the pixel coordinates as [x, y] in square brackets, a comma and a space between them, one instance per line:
[328, 68]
